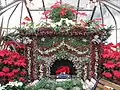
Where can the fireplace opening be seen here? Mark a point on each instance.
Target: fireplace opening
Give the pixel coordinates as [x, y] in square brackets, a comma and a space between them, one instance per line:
[62, 66]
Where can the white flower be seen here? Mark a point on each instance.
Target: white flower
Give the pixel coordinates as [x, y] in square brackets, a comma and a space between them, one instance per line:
[96, 36]
[87, 85]
[16, 83]
[96, 39]
[10, 84]
[42, 39]
[27, 40]
[84, 40]
[2, 87]
[20, 84]
[53, 25]
[93, 80]
[69, 22]
[36, 81]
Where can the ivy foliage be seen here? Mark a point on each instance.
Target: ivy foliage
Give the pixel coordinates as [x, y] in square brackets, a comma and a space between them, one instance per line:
[49, 84]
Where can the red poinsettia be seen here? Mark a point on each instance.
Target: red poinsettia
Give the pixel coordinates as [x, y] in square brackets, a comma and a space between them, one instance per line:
[6, 69]
[22, 79]
[109, 64]
[12, 66]
[11, 74]
[23, 72]
[118, 64]
[2, 74]
[116, 73]
[15, 70]
[107, 74]
[111, 56]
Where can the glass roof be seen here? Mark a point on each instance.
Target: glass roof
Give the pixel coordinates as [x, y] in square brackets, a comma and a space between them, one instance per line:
[104, 10]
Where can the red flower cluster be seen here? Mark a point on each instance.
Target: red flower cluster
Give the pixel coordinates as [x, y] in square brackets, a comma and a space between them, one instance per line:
[107, 74]
[26, 21]
[12, 66]
[111, 56]
[109, 64]
[65, 69]
[63, 10]
[27, 18]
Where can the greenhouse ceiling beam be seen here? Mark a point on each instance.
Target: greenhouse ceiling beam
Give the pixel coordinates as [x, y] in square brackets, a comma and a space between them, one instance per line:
[41, 9]
[113, 6]
[9, 6]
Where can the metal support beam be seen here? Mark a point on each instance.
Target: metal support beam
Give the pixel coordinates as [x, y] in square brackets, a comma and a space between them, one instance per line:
[113, 6]
[12, 4]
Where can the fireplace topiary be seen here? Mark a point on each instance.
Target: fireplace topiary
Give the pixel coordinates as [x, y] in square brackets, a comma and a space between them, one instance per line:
[62, 38]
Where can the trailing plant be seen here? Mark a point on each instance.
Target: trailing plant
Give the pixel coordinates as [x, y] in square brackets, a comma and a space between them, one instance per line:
[50, 84]
[12, 86]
